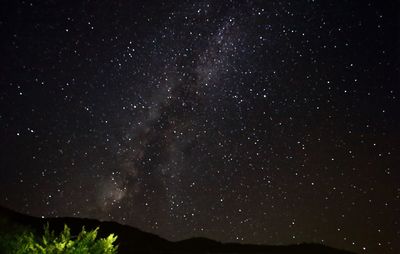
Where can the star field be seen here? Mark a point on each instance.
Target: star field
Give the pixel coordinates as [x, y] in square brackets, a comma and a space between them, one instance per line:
[266, 122]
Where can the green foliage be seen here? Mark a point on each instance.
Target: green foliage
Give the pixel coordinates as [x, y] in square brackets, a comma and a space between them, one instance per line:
[27, 242]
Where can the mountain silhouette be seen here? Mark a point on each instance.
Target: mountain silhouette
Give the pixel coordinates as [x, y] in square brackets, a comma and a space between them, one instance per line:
[133, 240]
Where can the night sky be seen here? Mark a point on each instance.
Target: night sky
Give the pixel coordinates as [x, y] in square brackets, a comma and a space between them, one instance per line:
[266, 122]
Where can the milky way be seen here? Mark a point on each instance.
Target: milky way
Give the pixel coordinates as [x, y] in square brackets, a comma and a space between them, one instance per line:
[268, 122]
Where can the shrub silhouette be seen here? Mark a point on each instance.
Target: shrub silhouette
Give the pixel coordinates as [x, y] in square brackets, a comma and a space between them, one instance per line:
[85, 242]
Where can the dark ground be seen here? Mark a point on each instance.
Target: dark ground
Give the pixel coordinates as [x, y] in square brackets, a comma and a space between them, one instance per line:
[134, 240]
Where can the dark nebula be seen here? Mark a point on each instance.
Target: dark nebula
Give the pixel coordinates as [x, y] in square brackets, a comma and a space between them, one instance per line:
[268, 122]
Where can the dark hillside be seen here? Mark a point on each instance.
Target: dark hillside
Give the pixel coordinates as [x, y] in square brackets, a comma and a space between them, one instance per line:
[132, 240]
